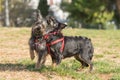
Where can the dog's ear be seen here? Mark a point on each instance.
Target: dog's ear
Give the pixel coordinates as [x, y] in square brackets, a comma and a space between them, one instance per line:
[51, 21]
[43, 26]
[38, 16]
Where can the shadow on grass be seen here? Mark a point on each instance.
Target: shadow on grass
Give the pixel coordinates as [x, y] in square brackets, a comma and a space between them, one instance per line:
[15, 67]
[64, 69]
[23, 67]
[11, 67]
[30, 66]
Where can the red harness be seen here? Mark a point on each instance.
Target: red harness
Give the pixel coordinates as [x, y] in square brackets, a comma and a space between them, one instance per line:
[54, 42]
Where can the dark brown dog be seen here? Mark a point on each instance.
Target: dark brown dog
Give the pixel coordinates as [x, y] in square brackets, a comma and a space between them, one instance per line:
[36, 44]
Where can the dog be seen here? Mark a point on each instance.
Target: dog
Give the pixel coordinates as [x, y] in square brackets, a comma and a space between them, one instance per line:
[36, 44]
[61, 47]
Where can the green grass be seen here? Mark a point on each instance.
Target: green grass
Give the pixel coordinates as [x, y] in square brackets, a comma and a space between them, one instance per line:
[107, 67]
[69, 68]
[2, 79]
[99, 56]
[116, 77]
[106, 55]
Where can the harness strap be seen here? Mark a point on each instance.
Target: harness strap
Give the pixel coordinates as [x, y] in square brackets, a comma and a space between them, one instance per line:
[46, 36]
[56, 41]
[63, 44]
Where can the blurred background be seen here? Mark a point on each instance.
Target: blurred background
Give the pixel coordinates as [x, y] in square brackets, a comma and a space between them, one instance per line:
[91, 14]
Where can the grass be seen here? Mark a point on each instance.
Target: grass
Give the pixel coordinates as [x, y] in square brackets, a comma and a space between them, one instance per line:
[15, 60]
[107, 67]
[116, 77]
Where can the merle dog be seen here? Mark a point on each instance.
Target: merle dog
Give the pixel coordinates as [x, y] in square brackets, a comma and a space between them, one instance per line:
[36, 43]
[66, 46]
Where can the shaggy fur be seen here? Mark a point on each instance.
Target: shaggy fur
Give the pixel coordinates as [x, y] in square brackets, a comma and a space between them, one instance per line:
[36, 44]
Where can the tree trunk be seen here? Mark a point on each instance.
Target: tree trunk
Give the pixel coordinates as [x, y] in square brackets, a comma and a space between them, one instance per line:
[118, 12]
[7, 22]
[118, 5]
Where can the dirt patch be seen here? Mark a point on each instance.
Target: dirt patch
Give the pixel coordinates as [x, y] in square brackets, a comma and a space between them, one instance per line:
[105, 76]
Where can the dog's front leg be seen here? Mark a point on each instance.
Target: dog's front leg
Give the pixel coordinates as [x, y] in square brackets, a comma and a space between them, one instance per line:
[59, 58]
[54, 62]
[32, 56]
[37, 66]
[31, 48]
[41, 58]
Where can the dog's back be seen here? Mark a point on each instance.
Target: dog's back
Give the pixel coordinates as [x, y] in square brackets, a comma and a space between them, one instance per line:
[76, 44]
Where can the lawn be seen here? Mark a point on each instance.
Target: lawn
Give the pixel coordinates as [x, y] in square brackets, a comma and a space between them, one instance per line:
[15, 63]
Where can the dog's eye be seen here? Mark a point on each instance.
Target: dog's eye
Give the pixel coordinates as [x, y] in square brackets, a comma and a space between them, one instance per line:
[39, 28]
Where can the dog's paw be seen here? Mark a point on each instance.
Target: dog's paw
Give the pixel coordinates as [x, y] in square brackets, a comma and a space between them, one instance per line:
[54, 65]
[79, 69]
[37, 66]
[32, 57]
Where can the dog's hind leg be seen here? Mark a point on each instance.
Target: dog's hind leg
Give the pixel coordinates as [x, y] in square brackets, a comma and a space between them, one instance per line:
[87, 54]
[87, 60]
[83, 64]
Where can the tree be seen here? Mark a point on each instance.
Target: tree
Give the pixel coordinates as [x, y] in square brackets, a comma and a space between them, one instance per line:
[117, 14]
[43, 7]
[1, 12]
[90, 12]
[17, 12]
[7, 22]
